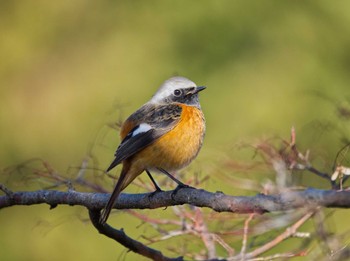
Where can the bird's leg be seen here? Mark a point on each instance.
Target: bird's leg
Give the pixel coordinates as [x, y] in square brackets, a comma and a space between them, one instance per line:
[158, 189]
[180, 185]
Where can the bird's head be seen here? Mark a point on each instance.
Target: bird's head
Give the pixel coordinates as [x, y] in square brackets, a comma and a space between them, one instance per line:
[178, 90]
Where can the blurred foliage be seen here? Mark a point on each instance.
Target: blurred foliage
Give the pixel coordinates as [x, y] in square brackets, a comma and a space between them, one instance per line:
[69, 67]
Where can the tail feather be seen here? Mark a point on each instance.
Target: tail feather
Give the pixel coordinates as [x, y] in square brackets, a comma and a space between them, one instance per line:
[123, 181]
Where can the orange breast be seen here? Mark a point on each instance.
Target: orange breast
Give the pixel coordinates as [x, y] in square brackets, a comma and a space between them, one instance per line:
[178, 147]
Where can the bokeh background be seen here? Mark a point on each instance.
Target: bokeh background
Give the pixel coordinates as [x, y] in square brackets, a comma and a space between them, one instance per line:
[69, 68]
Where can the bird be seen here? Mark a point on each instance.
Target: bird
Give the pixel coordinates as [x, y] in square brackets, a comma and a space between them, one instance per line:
[164, 135]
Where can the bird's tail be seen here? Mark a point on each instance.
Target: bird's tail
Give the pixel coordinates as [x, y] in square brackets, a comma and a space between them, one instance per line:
[125, 179]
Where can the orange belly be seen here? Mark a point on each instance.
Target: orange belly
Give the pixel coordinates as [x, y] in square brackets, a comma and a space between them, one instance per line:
[177, 148]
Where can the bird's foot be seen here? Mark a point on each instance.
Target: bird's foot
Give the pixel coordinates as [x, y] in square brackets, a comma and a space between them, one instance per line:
[152, 194]
[179, 187]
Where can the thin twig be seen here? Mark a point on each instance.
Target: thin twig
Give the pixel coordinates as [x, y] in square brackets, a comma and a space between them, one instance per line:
[245, 234]
[320, 174]
[7, 191]
[123, 239]
[287, 233]
[278, 256]
[206, 236]
[227, 247]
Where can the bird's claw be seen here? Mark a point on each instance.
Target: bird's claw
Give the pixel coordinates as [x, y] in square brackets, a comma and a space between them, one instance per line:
[152, 194]
[179, 187]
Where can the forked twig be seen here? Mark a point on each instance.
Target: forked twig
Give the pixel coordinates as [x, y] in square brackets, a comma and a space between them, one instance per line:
[123, 239]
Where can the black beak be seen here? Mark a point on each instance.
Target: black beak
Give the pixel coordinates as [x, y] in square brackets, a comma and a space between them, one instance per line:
[194, 90]
[199, 88]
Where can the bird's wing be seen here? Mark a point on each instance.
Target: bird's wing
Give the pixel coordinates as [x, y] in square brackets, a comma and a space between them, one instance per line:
[150, 123]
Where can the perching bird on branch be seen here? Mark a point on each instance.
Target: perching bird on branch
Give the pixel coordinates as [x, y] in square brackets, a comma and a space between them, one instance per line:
[164, 135]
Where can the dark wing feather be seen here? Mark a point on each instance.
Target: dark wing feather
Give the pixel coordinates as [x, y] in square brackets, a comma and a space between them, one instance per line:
[133, 145]
[161, 118]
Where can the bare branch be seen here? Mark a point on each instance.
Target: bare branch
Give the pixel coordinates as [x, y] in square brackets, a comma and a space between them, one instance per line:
[196, 197]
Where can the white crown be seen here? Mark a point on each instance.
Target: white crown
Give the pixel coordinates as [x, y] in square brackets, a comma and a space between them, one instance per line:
[169, 86]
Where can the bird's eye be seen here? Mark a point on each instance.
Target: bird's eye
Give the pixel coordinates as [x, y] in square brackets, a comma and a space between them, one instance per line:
[177, 92]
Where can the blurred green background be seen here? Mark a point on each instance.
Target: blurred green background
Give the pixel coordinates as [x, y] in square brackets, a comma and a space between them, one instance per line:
[67, 67]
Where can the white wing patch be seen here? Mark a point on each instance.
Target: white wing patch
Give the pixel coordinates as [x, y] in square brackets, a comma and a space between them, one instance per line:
[143, 127]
